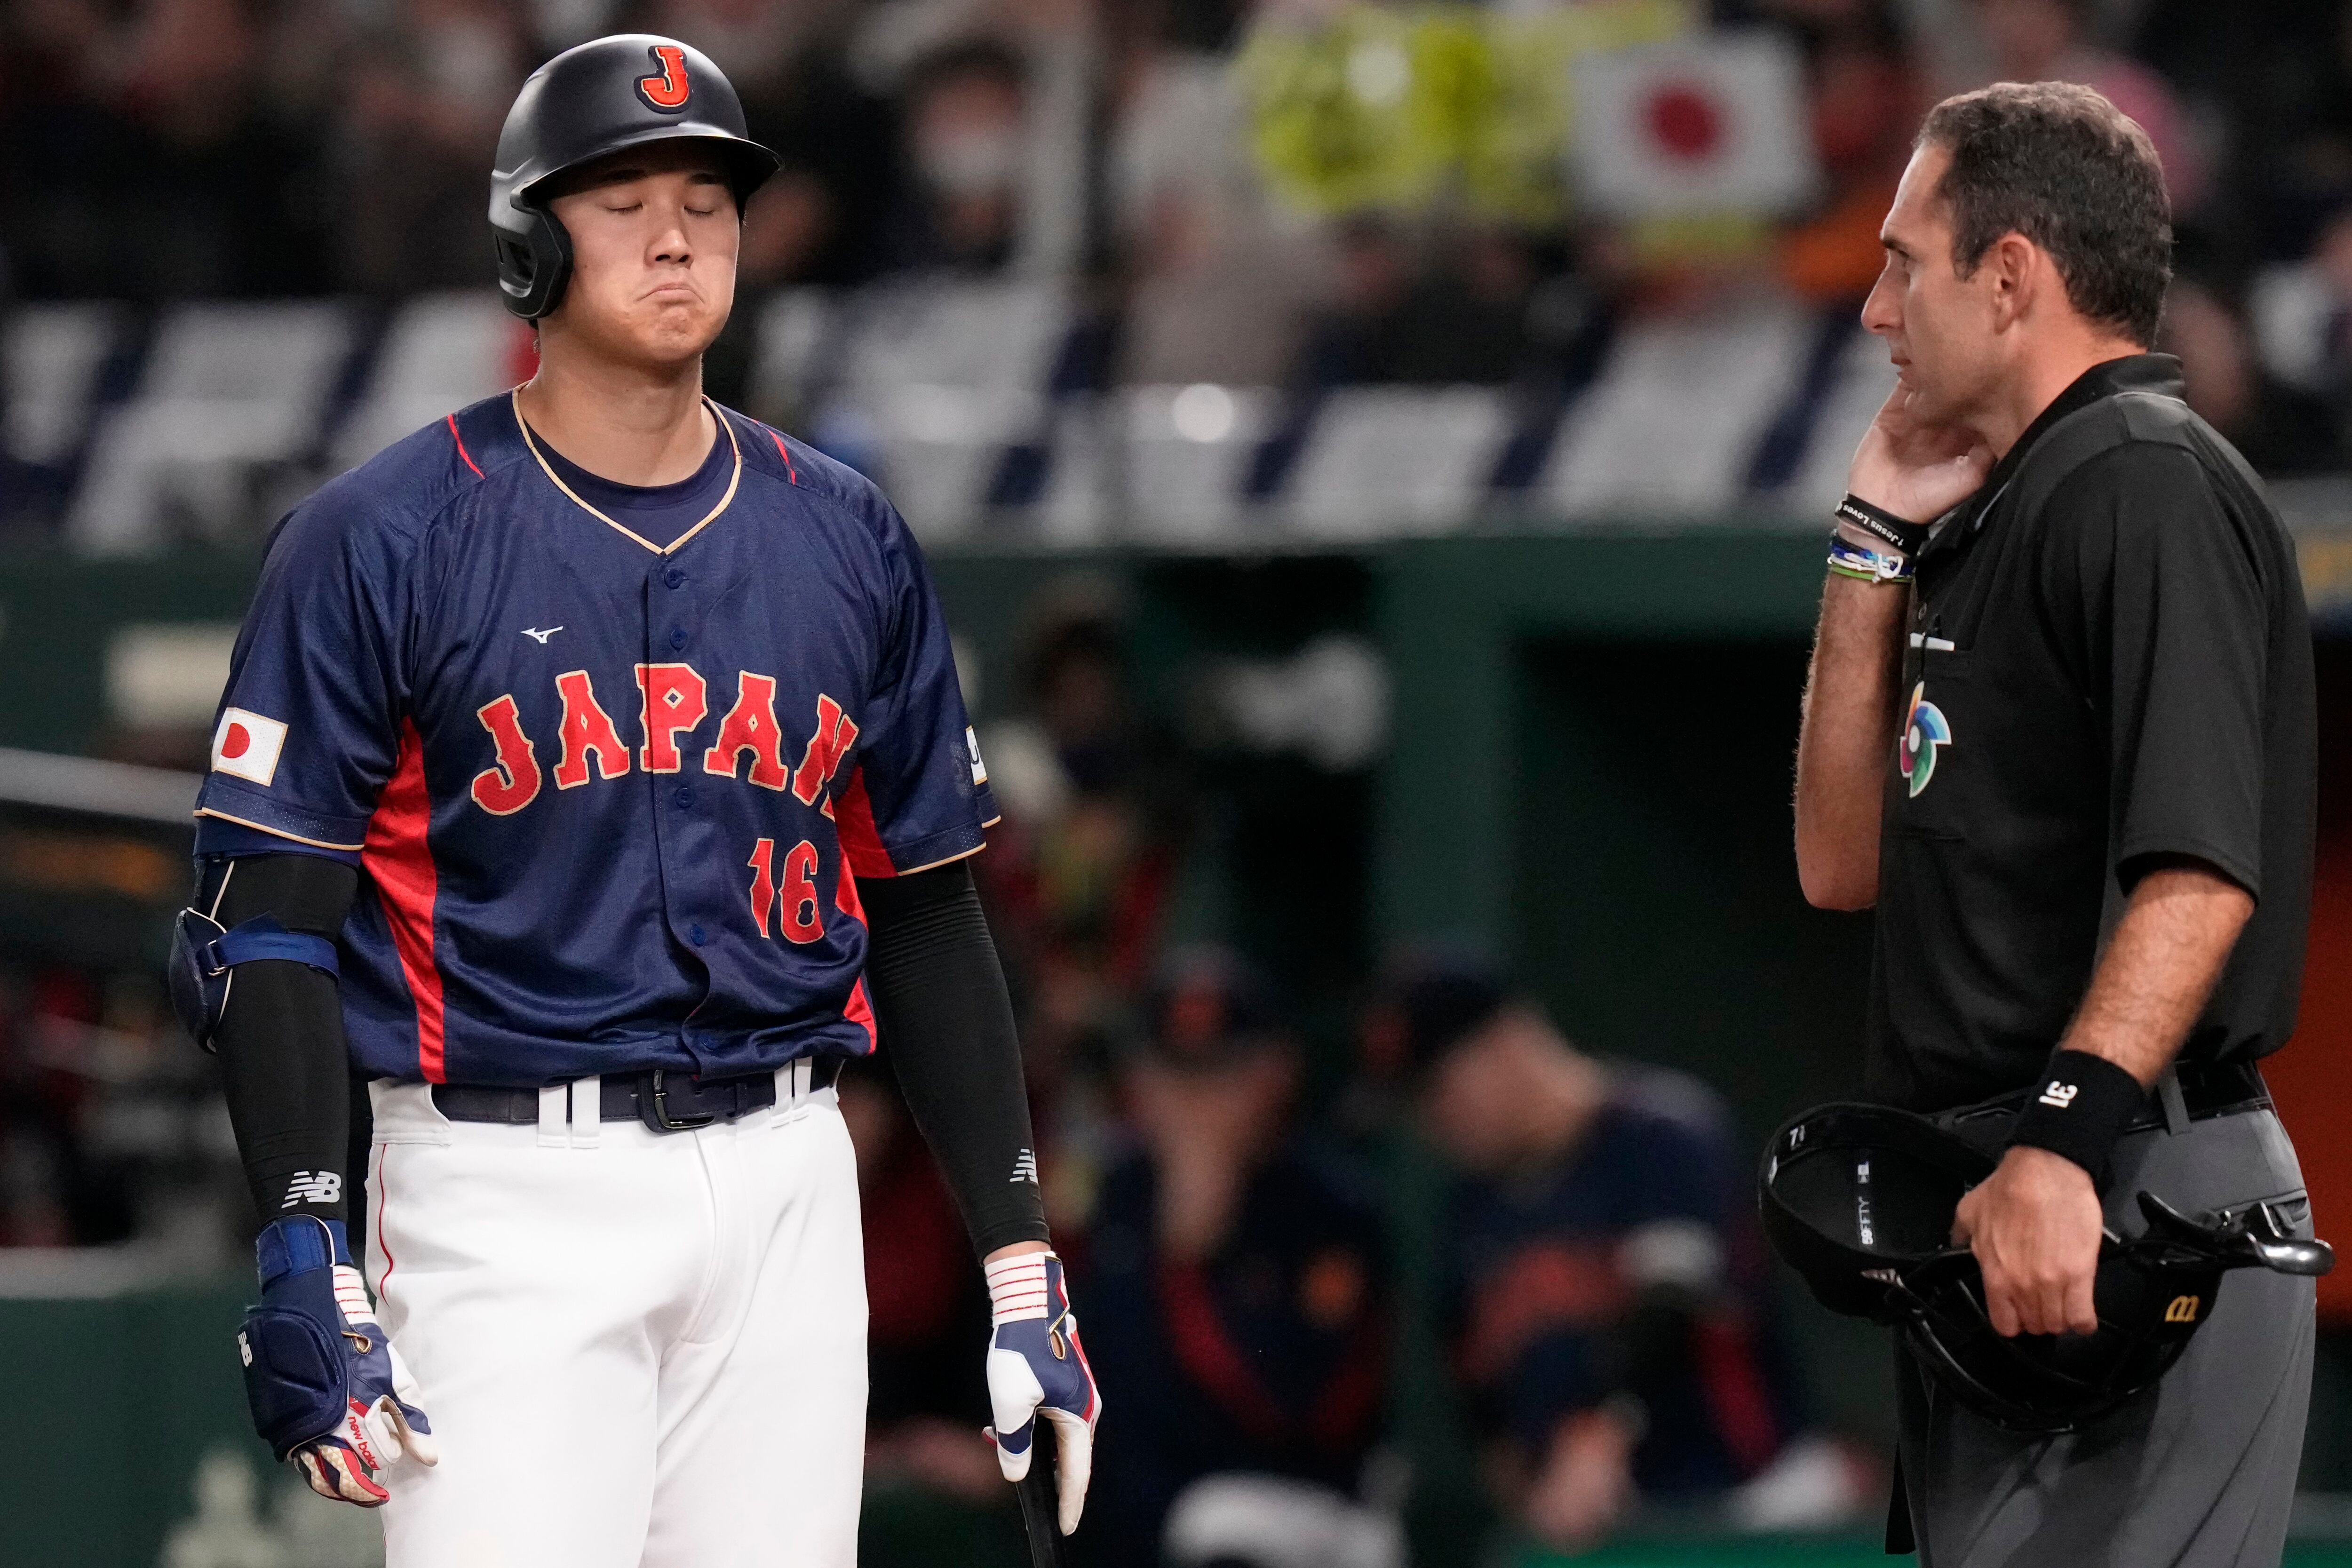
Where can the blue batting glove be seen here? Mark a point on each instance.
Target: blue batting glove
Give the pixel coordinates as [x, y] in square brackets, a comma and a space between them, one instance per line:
[1036, 1367]
[327, 1389]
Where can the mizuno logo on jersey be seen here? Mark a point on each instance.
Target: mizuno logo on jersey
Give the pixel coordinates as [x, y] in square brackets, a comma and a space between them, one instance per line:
[247, 744]
[1024, 1167]
[313, 1187]
[535, 634]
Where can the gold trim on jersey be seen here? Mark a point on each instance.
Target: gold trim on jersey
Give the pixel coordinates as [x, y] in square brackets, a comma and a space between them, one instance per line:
[277, 832]
[948, 859]
[515, 397]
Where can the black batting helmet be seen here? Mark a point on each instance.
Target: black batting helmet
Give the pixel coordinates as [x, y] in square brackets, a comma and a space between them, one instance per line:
[1859, 1200]
[595, 98]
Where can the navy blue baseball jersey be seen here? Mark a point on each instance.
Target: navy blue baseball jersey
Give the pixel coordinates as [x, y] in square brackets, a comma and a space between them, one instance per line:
[611, 794]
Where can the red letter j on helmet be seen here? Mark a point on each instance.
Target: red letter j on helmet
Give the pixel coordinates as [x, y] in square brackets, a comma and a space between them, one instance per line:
[668, 90]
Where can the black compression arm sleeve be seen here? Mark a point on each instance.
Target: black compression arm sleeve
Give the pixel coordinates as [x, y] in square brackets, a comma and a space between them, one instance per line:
[945, 1017]
[283, 1067]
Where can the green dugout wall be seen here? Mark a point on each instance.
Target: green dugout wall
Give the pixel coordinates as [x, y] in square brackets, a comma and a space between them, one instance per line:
[1587, 773]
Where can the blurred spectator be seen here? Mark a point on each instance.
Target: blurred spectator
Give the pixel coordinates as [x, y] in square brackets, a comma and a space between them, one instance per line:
[965, 110]
[1863, 103]
[422, 101]
[821, 220]
[1079, 874]
[2276, 428]
[926, 1309]
[1461, 320]
[1094, 801]
[160, 161]
[2270, 89]
[1606, 1298]
[2051, 40]
[1236, 1288]
[1220, 293]
[2331, 259]
[1215, 300]
[755, 42]
[63, 151]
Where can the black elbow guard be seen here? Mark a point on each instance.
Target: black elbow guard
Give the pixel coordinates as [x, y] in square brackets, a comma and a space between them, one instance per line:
[204, 956]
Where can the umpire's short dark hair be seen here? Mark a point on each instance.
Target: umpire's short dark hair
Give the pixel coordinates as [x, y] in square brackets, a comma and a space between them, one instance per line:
[2072, 173]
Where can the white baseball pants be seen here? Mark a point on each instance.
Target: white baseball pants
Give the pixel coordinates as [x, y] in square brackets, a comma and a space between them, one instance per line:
[637, 1350]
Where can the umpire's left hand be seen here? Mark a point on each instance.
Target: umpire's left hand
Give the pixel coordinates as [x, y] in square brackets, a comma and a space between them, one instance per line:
[2035, 1226]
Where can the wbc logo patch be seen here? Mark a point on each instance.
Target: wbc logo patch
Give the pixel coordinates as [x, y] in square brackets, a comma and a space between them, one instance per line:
[1925, 731]
[247, 744]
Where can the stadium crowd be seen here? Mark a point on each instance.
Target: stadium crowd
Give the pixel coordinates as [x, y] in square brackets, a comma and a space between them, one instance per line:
[1205, 207]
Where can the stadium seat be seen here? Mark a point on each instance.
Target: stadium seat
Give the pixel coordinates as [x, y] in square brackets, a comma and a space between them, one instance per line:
[794, 344]
[1186, 452]
[227, 390]
[1671, 424]
[939, 446]
[1387, 460]
[440, 353]
[1864, 377]
[944, 375]
[52, 355]
[1079, 506]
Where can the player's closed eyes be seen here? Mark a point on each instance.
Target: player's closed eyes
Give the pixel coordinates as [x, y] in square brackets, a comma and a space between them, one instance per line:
[635, 207]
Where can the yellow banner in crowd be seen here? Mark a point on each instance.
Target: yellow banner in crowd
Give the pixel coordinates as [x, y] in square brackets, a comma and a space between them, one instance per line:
[1400, 111]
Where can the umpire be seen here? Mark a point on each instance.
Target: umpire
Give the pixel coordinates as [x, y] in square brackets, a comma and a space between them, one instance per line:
[2067, 601]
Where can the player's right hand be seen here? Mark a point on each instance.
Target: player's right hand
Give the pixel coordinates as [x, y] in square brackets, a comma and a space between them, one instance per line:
[327, 1389]
[1916, 471]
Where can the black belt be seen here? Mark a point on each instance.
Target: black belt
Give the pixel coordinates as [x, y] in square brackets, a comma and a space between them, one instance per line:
[2206, 1090]
[663, 1098]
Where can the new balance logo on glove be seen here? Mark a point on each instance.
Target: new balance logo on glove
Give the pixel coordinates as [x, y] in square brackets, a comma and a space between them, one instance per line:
[313, 1187]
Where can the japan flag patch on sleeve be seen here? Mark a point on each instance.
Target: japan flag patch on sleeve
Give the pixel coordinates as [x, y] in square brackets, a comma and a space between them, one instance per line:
[247, 744]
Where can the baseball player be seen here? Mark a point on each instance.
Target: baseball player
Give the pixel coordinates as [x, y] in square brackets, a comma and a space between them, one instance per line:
[593, 781]
[2059, 732]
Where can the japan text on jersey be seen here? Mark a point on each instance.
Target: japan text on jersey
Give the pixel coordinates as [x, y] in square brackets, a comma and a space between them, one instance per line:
[612, 799]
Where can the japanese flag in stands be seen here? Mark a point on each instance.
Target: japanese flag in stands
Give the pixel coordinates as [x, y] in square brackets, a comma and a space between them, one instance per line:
[1701, 127]
[247, 744]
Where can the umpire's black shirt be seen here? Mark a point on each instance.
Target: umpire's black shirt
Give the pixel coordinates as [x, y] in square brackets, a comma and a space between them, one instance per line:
[2108, 666]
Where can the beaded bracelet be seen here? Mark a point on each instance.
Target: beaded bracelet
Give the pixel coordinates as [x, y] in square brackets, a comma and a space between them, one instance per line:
[1848, 559]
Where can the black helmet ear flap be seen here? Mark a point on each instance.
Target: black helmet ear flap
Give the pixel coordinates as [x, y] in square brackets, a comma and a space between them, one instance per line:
[534, 266]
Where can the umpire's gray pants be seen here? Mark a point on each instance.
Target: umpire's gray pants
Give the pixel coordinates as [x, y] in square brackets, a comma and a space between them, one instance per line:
[2198, 1472]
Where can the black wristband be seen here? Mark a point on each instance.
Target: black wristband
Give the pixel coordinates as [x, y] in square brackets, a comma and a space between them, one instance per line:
[2082, 1106]
[1884, 525]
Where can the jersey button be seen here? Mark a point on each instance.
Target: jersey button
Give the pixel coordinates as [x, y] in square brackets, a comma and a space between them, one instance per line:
[674, 577]
[678, 637]
[685, 796]
[694, 934]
